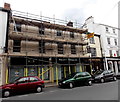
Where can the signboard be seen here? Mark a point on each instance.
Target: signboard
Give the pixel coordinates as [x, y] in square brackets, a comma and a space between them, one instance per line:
[3, 29]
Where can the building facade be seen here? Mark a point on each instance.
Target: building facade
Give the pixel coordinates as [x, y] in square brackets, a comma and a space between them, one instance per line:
[36, 47]
[109, 43]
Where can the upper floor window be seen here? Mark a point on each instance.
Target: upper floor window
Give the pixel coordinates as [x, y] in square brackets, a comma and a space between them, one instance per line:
[41, 30]
[108, 40]
[113, 30]
[73, 49]
[110, 52]
[60, 48]
[42, 46]
[117, 52]
[107, 30]
[92, 41]
[71, 34]
[17, 27]
[59, 33]
[115, 40]
[16, 45]
[93, 52]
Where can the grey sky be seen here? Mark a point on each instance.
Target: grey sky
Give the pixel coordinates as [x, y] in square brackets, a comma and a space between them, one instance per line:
[103, 11]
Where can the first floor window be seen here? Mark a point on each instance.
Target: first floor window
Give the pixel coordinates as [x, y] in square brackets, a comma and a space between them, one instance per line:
[93, 52]
[60, 48]
[16, 45]
[110, 52]
[41, 46]
[73, 49]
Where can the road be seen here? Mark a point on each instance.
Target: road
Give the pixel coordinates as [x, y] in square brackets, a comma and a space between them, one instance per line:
[98, 91]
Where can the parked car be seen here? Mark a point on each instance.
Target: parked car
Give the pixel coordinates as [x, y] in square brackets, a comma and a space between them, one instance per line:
[104, 75]
[74, 79]
[118, 76]
[23, 84]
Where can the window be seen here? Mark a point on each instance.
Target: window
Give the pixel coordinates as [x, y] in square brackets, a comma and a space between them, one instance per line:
[59, 33]
[113, 30]
[110, 52]
[41, 30]
[60, 48]
[107, 29]
[73, 49]
[23, 80]
[92, 41]
[115, 40]
[71, 34]
[117, 52]
[16, 45]
[32, 79]
[93, 52]
[42, 46]
[108, 40]
[17, 27]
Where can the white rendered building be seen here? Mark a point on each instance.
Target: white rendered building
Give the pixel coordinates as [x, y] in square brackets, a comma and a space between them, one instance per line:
[109, 43]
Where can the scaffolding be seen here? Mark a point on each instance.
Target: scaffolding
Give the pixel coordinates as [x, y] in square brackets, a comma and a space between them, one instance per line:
[38, 39]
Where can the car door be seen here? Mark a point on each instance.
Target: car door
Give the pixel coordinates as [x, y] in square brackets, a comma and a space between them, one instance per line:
[106, 75]
[33, 82]
[79, 78]
[21, 85]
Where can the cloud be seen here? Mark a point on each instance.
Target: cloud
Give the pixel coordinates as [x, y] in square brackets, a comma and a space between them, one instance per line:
[74, 14]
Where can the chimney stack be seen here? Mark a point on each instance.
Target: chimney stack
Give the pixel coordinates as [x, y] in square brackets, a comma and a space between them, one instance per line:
[7, 6]
[70, 24]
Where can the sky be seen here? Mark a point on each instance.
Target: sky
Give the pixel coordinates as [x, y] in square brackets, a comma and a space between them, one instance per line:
[103, 11]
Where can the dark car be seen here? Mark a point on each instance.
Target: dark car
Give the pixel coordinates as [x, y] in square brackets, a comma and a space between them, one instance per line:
[23, 84]
[74, 79]
[104, 75]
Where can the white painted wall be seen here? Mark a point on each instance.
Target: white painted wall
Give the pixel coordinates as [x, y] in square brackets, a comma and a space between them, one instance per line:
[3, 27]
[100, 29]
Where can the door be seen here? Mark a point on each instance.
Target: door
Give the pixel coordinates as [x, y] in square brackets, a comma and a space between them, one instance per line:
[21, 85]
[33, 82]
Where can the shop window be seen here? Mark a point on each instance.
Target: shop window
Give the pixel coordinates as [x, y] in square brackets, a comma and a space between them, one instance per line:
[60, 48]
[118, 66]
[17, 27]
[71, 34]
[16, 45]
[41, 46]
[117, 52]
[73, 49]
[93, 52]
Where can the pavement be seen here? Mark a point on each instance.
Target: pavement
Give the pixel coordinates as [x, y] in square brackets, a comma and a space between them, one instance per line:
[50, 84]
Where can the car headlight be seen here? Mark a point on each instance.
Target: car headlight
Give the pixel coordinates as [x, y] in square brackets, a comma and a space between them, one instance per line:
[64, 82]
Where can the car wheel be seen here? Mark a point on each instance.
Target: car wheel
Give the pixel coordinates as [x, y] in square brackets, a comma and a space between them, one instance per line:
[39, 89]
[71, 85]
[102, 80]
[89, 82]
[6, 93]
[114, 78]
